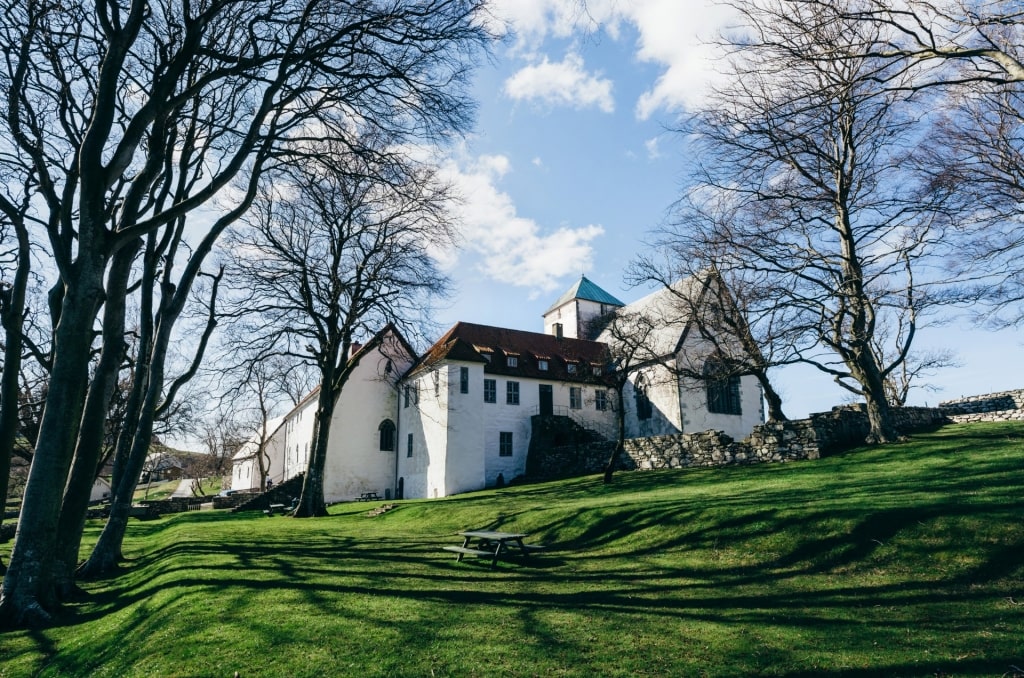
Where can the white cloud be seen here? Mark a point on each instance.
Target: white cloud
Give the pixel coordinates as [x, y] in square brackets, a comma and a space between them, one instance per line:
[564, 83]
[673, 34]
[653, 152]
[514, 249]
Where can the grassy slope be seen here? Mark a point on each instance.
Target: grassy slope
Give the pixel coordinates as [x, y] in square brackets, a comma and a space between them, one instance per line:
[905, 560]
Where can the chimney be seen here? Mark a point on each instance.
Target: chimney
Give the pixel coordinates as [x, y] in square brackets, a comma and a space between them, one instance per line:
[556, 328]
[353, 349]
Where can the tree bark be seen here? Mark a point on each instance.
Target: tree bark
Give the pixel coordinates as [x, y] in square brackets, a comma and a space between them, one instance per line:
[12, 309]
[106, 555]
[92, 429]
[311, 500]
[28, 597]
[620, 438]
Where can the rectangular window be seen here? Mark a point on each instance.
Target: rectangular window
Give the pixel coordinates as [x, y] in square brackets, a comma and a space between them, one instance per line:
[505, 444]
[571, 367]
[512, 393]
[463, 380]
[601, 400]
[490, 391]
[575, 397]
[408, 446]
[406, 400]
[542, 365]
[512, 361]
[597, 370]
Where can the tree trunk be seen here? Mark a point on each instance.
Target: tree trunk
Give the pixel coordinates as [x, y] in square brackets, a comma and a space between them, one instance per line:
[311, 500]
[92, 429]
[106, 555]
[12, 309]
[771, 398]
[883, 428]
[620, 438]
[28, 596]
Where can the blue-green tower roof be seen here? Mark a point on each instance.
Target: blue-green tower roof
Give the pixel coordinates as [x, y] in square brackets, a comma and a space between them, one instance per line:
[585, 289]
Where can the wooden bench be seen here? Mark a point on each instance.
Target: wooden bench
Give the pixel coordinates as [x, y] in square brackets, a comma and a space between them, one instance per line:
[275, 509]
[465, 551]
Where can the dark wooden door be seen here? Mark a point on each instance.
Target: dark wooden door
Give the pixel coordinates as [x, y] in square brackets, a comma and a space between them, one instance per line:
[547, 400]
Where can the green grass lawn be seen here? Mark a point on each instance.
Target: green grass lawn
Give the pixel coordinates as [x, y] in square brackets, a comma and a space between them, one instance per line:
[904, 560]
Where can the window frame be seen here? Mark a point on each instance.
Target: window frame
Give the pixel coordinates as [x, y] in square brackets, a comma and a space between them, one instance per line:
[386, 432]
[463, 379]
[601, 400]
[512, 393]
[575, 397]
[490, 390]
[506, 446]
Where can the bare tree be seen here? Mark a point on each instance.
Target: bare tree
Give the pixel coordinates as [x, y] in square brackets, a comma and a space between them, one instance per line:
[333, 254]
[806, 150]
[263, 387]
[972, 55]
[631, 349]
[115, 108]
[746, 335]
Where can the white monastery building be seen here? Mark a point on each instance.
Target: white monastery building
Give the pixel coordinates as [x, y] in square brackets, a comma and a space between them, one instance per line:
[460, 416]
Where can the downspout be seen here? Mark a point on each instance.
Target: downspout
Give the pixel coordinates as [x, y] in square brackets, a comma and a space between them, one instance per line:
[398, 435]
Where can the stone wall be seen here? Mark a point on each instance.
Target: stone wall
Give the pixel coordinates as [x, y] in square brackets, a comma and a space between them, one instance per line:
[176, 504]
[1003, 406]
[820, 434]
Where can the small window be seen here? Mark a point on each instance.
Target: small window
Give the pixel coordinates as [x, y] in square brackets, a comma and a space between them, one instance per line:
[463, 380]
[644, 410]
[511, 361]
[408, 446]
[490, 391]
[542, 365]
[387, 436]
[487, 356]
[601, 400]
[512, 393]
[575, 397]
[723, 388]
[505, 444]
[571, 367]
[406, 396]
[597, 370]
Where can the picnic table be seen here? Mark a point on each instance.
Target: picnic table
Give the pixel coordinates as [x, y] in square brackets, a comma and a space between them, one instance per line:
[490, 544]
[368, 496]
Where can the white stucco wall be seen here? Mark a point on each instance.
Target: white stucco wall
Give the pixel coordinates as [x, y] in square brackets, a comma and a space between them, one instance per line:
[694, 397]
[355, 463]
[465, 465]
[425, 419]
[298, 437]
[661, 387]
[245, 473]
[457, 436]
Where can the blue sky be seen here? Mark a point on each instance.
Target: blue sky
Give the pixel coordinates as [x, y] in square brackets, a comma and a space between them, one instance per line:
[572, 164]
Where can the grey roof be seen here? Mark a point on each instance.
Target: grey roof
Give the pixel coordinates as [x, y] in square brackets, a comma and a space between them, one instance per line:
[585, 289]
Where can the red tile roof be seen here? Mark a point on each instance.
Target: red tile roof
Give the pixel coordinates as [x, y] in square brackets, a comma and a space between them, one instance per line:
[469, 343]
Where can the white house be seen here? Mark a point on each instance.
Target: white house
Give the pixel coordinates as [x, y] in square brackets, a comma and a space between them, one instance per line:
[245, 468]
[458, 417]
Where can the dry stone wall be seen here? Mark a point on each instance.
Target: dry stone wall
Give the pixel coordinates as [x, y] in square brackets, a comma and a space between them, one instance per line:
[1002, 406]
[820, 434]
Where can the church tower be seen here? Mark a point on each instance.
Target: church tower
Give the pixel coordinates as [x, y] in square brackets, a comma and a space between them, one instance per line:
[570, 316]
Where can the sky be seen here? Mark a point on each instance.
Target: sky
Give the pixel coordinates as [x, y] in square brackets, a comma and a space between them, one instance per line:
[573, 163]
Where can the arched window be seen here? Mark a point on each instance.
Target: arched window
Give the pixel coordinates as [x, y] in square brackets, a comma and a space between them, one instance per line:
[387, 436]
[644, 410]
[723, 388]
